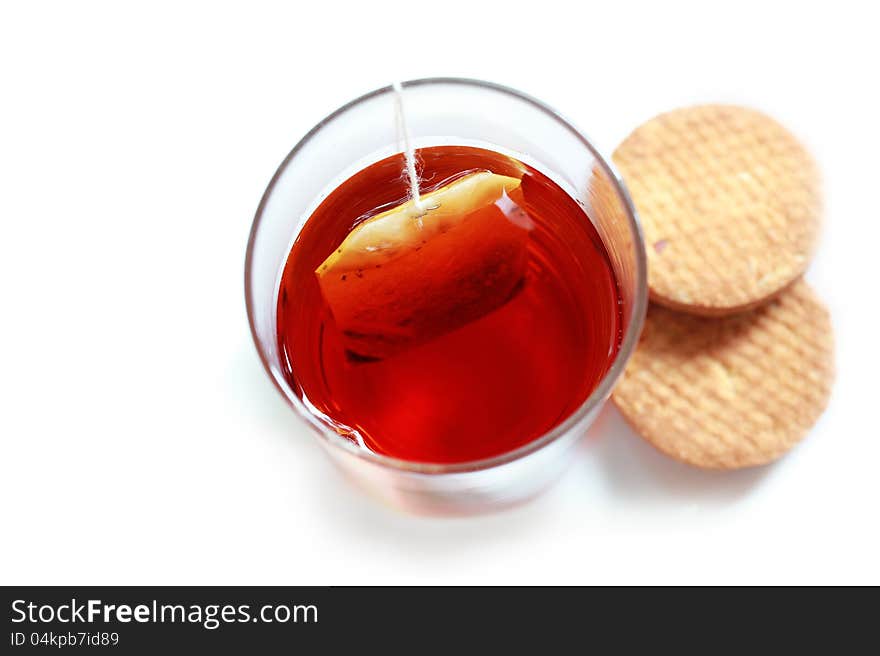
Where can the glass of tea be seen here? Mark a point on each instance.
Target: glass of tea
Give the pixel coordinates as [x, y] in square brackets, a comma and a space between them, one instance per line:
[447, 358]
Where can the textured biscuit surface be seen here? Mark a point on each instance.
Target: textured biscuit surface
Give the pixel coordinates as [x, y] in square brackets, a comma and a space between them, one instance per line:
[731, 392]
[730, 205]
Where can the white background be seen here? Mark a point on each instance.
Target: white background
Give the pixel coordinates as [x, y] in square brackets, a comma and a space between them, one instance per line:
[142, 442]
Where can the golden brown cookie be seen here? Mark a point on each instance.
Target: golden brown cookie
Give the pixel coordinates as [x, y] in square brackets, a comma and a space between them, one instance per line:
[731, 392]
[730, 205]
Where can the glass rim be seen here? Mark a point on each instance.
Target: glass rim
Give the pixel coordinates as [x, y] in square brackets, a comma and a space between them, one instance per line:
[601, 391]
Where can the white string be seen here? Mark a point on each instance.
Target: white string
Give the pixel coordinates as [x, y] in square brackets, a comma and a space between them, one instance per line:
[408, 153]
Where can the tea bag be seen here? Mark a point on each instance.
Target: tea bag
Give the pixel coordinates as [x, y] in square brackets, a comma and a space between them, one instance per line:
[428, 266]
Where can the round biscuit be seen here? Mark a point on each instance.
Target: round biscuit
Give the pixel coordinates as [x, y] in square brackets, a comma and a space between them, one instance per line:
[730, 205]
[730, 392]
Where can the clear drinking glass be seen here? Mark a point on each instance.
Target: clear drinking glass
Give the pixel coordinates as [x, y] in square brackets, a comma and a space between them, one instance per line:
[445, 111]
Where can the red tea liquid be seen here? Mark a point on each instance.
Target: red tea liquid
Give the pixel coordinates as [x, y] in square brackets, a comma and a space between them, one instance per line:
[483, 389]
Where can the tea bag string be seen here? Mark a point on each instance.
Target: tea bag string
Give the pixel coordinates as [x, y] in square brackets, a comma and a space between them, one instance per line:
[408, 152]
